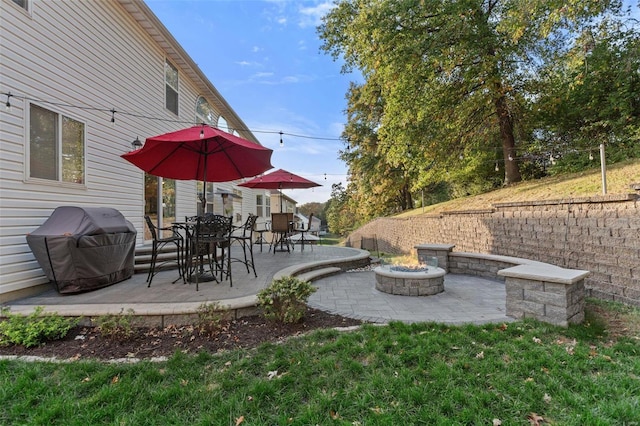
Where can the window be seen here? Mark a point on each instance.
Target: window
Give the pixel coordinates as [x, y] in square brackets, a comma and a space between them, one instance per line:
[56, 146]
[204, 112]
[222, 124]
[171, 86]
[23, 4]
[263, 209]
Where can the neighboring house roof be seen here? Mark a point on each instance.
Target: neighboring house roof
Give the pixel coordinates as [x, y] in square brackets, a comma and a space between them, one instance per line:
[180, 58]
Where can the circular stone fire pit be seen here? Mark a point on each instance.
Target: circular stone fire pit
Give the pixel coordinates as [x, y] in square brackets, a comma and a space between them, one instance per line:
[408, 281]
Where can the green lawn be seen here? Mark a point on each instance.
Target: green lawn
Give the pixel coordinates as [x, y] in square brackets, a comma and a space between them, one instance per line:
[393, 375]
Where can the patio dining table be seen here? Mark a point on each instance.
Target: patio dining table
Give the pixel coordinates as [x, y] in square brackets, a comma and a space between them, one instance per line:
[199, 246]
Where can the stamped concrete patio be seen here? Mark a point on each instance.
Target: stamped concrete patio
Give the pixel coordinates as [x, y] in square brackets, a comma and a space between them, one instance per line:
[466, 299]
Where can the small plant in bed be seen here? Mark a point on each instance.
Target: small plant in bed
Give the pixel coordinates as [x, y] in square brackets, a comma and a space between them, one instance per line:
[33, 329]
[285, 299]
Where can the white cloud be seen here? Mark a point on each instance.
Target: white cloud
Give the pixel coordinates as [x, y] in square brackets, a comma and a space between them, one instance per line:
[311, 16]
[262, 75]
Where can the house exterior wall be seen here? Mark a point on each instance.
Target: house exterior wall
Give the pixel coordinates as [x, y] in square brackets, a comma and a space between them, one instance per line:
[81, 59]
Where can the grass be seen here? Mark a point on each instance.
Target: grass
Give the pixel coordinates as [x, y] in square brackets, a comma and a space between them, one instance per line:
[399, 374]
[585, 184]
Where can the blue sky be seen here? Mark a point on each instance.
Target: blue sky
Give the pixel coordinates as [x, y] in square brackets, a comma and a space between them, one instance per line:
[264, 57]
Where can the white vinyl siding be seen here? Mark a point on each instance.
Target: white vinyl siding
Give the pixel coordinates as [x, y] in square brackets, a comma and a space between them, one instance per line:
[60, 58]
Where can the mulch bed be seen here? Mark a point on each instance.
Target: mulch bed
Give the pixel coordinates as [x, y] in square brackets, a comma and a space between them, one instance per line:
[147, 343]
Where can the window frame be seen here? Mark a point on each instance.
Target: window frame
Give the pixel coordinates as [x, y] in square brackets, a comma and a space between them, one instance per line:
[200, 118]
[58, 181]
[26, 7]
[169, 85]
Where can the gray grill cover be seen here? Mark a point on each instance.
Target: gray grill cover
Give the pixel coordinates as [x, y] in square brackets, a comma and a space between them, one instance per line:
[84, 248]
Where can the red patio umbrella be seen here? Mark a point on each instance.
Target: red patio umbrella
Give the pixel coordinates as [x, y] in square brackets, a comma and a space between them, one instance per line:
[201, 153]
[280, 179]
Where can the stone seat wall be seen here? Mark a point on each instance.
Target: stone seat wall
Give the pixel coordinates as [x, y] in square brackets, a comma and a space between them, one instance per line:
[534, 289]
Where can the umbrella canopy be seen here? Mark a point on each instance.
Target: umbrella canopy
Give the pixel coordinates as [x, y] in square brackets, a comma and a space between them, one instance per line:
[201, 153]
[280, 179]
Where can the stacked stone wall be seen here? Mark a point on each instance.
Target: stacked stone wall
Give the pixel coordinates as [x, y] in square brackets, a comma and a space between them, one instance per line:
[600, 234]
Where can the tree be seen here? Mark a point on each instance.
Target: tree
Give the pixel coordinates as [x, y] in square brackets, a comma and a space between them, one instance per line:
[591, 96]
[443, 78]
[316, 208]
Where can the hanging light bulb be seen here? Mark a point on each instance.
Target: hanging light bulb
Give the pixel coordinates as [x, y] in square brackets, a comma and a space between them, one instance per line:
[202, 132]
[590, 156]
[8, 104]
[497, 169]
[281, 143]
[113, 118]
[325, 176]
[510, 157]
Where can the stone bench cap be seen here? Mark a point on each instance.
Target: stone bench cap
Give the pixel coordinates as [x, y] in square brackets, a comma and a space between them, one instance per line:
[435, 246]
[548, 273]
[498, 258]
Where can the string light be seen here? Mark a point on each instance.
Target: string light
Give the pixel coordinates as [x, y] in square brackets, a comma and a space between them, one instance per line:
[497, 169]
[202, 132]
[348, 141]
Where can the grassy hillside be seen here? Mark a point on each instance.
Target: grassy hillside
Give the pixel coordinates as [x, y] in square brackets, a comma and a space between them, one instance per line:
[585, 184]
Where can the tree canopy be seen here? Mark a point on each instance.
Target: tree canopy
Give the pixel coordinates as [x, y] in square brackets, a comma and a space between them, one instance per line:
[456, 93]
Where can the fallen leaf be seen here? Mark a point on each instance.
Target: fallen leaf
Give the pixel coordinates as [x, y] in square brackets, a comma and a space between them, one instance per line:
[535, 420]
[536, 340]
[480, 355]
[115, 379]
[503, 327]
[239, 420]
[546, 398]
[497, 422]
[528, 379]
[272, 374]
[376, 410]
[86, 379]
[334, 415]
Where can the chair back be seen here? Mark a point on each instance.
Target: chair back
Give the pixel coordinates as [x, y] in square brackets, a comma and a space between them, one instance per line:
[281, 222]
[249, 225]
[215, 226]
[152, 228]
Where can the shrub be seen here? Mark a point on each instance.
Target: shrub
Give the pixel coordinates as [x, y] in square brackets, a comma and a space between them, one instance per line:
[116, 326]
[210, 317]
[285, 299]
[33, 329]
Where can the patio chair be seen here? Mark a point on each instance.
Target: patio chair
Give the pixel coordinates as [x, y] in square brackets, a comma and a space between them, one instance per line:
[261, 228]
[159, 242]
[244, 236]
[281, 224]
[304, 235]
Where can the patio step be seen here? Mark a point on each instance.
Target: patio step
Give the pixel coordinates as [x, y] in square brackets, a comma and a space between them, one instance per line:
[316, 274]
[143, 258]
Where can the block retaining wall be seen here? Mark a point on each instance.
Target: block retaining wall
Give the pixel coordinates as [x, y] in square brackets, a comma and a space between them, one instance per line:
[598, 234]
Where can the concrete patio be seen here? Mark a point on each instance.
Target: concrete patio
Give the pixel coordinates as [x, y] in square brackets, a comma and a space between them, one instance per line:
[466, 299]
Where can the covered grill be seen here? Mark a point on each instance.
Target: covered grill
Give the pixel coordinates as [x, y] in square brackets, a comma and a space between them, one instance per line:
[84, 248]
